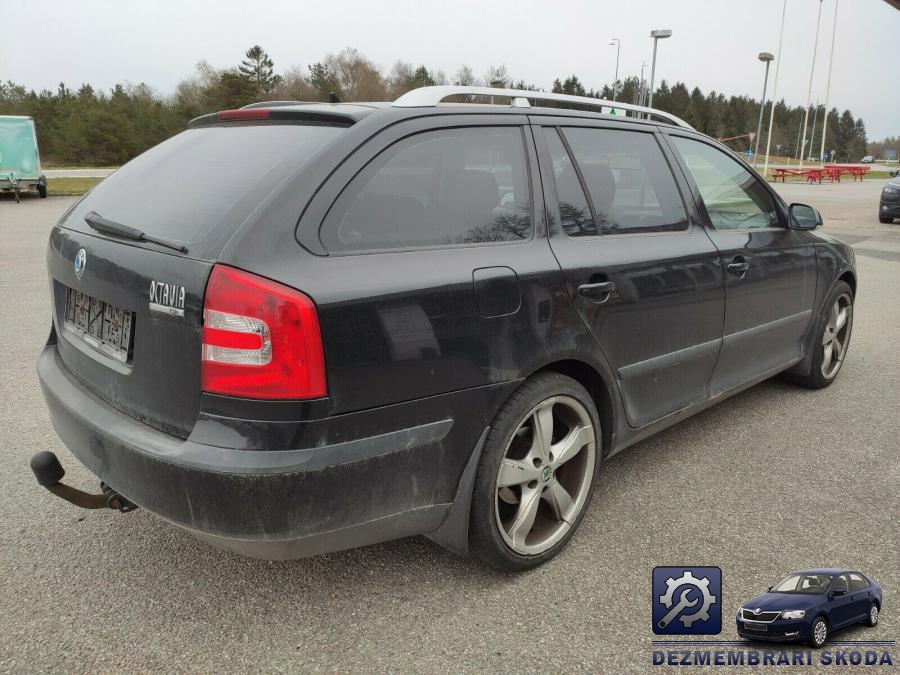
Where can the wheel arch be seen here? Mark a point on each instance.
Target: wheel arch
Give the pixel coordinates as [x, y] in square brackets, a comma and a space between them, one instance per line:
[600, 390]
[850, 279]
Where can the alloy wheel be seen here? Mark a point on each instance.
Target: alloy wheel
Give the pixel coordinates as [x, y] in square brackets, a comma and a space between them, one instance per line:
[820, 632]
[873, 615]
[836, 335]
[545, 475]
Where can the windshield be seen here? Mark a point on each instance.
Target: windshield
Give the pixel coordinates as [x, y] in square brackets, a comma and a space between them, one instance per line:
[810, 584]
[203, 183]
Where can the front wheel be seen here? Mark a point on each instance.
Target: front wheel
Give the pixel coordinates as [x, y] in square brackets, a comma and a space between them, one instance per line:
[831, 340]
[819, 633]
[537, 473]
[42, 190]
[873, 616]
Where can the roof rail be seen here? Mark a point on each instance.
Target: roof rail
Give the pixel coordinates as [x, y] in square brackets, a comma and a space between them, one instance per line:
[424, 97]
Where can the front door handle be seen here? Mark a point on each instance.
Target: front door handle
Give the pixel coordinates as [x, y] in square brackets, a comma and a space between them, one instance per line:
[599, 292]
[738, 266]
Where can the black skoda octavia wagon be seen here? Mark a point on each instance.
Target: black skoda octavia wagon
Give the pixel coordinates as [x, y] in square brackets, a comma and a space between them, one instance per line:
[298, 328]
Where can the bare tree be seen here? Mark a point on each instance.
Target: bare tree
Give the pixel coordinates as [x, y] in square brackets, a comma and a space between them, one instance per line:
[294, 87]
[465, 77]
[359, 78]
[498, 76]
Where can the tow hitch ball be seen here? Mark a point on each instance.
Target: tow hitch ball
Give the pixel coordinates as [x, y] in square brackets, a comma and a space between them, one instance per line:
[49, 472]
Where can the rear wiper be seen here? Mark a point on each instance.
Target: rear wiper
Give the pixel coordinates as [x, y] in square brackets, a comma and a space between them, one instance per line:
[101, 224]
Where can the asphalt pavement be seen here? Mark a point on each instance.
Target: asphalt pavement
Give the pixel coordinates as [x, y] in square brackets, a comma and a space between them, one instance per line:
[773, 480]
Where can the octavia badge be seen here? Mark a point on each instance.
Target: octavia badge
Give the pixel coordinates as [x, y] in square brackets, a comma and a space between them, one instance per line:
[80, 262]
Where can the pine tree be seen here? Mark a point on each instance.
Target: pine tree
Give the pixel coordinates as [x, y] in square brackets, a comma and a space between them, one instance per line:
[258, 68]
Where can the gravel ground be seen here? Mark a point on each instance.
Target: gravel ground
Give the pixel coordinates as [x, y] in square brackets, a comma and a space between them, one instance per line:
[775, 479]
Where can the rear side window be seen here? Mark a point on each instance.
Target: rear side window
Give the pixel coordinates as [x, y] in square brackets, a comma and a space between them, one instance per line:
[628, 180]
[438, 188]
[574, 212]
[204, 179]
[857, 582]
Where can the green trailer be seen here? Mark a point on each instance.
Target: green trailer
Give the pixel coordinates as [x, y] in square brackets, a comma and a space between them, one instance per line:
[20, 163]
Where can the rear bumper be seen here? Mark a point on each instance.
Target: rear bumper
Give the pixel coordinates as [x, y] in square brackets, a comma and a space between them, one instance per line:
[270, 504]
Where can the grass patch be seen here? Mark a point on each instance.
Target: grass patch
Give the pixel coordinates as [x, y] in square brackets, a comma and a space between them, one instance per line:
[70, 186]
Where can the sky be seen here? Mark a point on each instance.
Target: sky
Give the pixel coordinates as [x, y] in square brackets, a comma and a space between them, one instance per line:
[714, 45]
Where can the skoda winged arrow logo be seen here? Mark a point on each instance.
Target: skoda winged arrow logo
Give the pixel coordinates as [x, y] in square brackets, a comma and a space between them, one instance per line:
[80, 262]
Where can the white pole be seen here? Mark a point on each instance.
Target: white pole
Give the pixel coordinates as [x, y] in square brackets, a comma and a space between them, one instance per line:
[812, 70]
[828, 85]
[774, 90]
[653, 72]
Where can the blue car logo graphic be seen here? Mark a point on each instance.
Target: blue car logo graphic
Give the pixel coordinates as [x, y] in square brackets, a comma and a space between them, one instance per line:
[687, 600]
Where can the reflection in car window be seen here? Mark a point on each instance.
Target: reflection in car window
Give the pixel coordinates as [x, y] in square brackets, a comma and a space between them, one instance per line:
[446, 187]
[812, 584]
[574, 213]
[734, 198]
[628, 180]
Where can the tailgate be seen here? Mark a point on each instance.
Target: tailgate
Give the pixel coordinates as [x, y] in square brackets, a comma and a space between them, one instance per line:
[129, 327]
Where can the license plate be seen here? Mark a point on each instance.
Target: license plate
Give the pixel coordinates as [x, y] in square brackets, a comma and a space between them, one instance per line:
[749, 625]
[103, 326]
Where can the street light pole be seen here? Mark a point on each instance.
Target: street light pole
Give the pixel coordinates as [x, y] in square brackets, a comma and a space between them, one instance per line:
[657, 35]
[618, 44]
[641, 87]
[766, 58]
[828, 86]
[812, 70]
[774, 91]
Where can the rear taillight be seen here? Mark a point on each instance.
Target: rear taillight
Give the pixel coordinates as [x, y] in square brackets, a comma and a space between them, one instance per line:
[261, 339]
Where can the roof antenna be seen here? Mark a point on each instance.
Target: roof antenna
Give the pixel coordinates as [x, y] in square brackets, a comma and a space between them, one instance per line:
[333, 98]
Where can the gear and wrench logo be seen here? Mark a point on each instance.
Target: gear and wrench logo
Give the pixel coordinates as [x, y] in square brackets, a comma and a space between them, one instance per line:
[681, 596]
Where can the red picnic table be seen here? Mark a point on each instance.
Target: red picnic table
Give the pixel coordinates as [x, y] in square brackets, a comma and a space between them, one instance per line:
[856, 171]
[812, 175]
[815, 174]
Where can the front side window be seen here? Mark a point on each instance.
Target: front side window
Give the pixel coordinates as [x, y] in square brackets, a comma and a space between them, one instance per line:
[734, 198]
[628, 179]
[842, 582]
[439, 188]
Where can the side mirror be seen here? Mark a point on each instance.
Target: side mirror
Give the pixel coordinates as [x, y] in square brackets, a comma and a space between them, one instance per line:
[803, 217]
[839, 590]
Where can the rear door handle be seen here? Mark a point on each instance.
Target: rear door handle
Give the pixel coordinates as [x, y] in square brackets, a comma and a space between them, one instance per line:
[599, 292]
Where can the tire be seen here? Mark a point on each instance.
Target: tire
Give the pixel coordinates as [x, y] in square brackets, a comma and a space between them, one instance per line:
[872, 620]
[818, 633]
[528, 520]
[827, 334]
[42, 191]
[885, 219]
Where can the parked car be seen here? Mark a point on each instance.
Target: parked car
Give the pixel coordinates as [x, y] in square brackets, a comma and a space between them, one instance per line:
[889, 204]
[20, 162]
[868, 159]
[810, 605]
[414, 318]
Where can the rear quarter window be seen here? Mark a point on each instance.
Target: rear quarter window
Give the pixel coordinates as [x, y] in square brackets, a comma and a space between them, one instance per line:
[448, 187]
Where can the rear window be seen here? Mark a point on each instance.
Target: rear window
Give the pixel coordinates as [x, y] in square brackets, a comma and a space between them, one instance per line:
[202, 178]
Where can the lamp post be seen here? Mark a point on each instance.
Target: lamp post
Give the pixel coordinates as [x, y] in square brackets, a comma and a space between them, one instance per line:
[774, 92]
[812, 70]
[657, 35]
[639, 94]
[766, 58]
[828, 88]
[618, 43]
